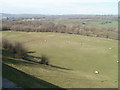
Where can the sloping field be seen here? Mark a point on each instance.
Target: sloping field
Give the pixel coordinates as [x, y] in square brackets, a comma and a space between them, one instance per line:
[83, 55]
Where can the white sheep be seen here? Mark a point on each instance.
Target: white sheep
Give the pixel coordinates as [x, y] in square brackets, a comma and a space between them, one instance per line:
[96, 72]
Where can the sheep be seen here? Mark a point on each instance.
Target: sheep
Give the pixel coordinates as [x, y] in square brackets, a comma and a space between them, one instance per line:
[109, 48]
[117, 61]
[96, 72]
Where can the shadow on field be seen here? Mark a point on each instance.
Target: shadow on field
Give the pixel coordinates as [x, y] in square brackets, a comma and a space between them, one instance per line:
[9, 57]
[59, 67]
[24, 80]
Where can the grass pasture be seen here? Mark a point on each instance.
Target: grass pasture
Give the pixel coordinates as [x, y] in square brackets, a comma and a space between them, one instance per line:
[100, 23]
[82, 54]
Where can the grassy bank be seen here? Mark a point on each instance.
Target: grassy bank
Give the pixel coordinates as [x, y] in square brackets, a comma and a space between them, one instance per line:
[82, 54]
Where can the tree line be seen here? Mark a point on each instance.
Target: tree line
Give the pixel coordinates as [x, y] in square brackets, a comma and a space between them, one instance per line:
[70, 28]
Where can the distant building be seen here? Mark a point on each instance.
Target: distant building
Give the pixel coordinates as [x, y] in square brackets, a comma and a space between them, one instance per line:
[31, 19]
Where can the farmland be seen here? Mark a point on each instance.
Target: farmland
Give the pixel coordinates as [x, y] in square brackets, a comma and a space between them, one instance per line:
[101, 23]
[83, 55]
[94, 26]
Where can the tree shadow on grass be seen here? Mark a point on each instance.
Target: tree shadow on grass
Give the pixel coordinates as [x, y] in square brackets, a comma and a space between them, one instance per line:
[59, 67]
[25, 80]
[14, 61]
[8, 57]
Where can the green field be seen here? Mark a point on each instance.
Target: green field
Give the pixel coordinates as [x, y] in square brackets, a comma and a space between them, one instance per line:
[113, 24]
[83, 55]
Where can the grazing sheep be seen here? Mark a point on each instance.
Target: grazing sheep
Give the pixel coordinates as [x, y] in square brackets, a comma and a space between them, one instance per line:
[96, 72]
[117, 61]
[109, 48]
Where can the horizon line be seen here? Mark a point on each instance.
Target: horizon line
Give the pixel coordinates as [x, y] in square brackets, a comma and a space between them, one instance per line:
[54, 14]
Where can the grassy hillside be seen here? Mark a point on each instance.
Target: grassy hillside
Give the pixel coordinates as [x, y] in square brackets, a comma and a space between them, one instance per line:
[82, 54]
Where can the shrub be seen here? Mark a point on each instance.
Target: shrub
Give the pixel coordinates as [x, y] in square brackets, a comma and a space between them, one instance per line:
[6, 44]
[19, 50]
[44, 59]
[5, 28]
[16, 48]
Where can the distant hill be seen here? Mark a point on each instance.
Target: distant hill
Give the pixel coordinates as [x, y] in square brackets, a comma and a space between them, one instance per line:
[21, 15]
[70, 16]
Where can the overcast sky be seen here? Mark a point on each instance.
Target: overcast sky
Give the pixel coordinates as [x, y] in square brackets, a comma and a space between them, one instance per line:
[60, 6]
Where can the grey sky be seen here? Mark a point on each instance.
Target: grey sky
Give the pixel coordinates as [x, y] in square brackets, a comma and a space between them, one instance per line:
[60, 6]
